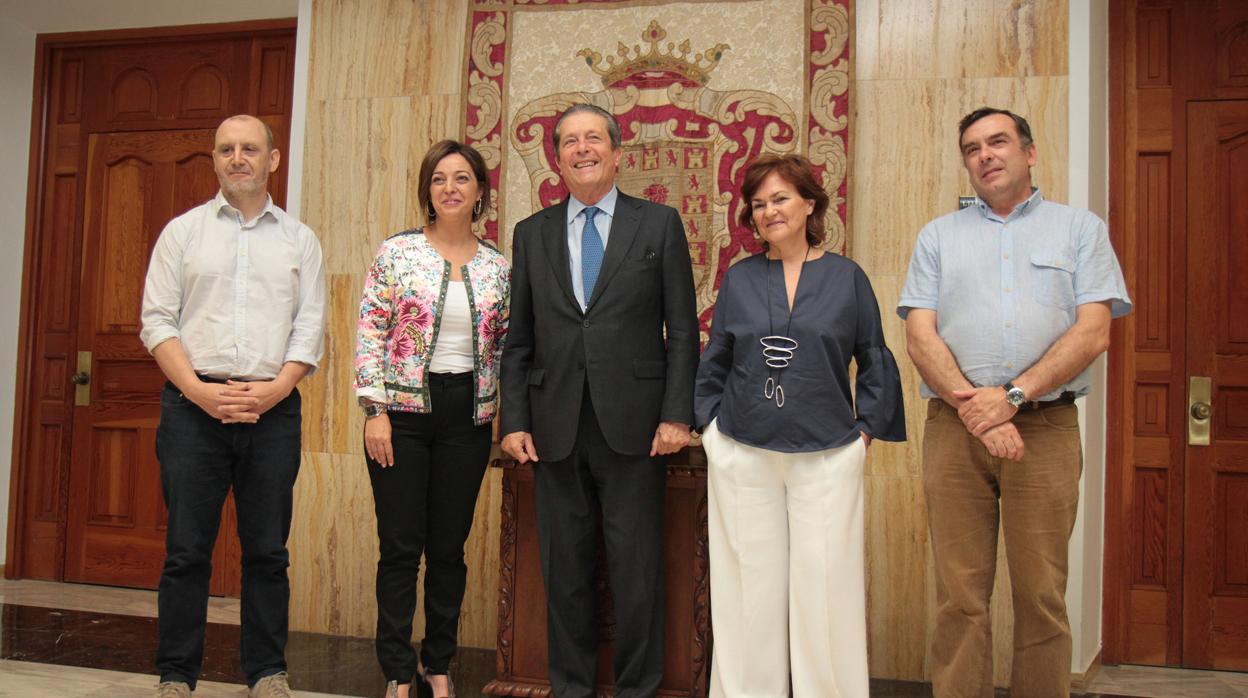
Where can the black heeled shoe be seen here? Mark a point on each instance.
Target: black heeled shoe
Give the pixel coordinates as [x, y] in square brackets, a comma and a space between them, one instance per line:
[421, 687]
[424, 689]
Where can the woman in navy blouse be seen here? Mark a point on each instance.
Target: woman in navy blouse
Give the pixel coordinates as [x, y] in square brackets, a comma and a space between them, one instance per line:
[786, 442]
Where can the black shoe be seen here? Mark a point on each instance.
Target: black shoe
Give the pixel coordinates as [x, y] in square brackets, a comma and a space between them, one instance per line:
[450, 688]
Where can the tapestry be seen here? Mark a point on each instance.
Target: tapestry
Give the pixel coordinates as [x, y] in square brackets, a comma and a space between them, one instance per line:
[699, 89]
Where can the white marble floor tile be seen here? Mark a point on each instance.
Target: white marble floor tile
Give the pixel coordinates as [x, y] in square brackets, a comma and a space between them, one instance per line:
[101, 599]
[30, 680]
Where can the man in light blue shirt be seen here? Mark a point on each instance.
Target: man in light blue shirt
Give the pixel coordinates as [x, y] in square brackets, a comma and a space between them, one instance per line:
[1007, 302]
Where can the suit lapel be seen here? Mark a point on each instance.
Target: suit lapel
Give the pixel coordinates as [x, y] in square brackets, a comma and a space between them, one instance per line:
[555, 240]
[623, 232]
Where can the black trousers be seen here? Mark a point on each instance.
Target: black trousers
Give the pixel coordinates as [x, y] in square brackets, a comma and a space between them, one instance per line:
[201, 459]
[628, 492]
[424, 505]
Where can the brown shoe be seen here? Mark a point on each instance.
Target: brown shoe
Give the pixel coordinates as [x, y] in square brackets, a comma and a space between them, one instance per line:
[173, 689]
[272, 686]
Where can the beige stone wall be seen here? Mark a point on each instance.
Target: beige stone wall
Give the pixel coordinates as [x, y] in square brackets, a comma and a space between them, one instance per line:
[385, 82]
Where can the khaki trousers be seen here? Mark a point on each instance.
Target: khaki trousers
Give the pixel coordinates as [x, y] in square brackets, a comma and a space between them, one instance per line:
[1034, 500]
[788, 594]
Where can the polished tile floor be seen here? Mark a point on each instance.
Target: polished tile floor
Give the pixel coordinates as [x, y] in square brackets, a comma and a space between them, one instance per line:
[70, 639]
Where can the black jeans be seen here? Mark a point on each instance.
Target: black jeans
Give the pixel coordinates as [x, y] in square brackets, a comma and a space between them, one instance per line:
[424, 504]
[201, 459]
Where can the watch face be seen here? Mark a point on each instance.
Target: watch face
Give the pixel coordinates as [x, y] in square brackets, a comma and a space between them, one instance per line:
[1015, 397]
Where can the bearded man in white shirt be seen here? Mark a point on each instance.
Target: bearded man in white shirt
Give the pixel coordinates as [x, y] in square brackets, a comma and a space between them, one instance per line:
[233, 312]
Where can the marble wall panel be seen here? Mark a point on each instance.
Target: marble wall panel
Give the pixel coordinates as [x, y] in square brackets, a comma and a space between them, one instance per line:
[386, 48]
[355, 186]
[897, 580]
[1002, 619]
[919, 39]
[331, 423]
[333, 547]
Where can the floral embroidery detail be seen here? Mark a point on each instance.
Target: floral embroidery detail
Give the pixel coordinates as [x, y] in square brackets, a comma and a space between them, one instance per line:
[414, 319]
[398, 321]
[493, 330]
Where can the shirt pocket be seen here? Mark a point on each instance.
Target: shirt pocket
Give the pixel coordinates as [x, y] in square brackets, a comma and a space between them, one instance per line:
[1053, 280]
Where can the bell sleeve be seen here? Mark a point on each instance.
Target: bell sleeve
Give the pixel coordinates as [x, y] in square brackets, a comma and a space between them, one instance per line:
[878, 405]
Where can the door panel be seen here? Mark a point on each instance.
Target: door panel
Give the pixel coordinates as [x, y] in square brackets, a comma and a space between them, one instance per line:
[1215, 570]
[136, 182]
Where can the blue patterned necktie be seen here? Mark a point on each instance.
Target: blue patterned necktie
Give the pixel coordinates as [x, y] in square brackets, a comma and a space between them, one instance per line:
[591, 252]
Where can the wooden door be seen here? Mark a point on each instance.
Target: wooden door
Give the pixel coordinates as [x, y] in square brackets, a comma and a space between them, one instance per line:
[1176, 541]
[136, 182]
[1215, 531]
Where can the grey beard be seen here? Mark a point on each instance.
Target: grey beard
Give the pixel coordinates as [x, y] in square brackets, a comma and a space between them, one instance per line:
[243, 188]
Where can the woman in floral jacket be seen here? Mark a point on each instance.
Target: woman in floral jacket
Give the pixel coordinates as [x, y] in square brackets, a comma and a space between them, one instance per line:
[432, 323]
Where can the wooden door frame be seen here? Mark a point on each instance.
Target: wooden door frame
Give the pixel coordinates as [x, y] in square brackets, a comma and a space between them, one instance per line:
[1114, 556]
[32, 266]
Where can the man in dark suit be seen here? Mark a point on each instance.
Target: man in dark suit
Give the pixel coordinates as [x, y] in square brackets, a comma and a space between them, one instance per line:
[591, 384]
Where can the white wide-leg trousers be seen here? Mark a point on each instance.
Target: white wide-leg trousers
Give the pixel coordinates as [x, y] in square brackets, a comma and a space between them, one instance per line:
[788, 591]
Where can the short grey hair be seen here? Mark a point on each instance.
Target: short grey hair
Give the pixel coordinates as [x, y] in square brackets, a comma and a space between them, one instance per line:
[613, 126]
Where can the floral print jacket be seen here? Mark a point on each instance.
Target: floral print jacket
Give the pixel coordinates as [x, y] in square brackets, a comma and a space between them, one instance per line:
[400, 315]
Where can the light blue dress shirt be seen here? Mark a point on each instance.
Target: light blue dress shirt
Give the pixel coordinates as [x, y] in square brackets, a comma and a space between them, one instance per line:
[576, 225]
[1005, 289]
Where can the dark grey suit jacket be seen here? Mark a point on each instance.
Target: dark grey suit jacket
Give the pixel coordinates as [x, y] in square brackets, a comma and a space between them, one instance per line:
[636, 378]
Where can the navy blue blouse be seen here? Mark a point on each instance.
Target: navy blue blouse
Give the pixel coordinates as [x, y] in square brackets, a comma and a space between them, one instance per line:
[835, 318]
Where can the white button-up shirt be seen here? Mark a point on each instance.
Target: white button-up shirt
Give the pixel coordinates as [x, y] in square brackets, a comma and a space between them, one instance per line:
[243, 297]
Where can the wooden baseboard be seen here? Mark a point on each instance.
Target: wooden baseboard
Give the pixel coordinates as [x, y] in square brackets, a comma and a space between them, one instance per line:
[1079, 682]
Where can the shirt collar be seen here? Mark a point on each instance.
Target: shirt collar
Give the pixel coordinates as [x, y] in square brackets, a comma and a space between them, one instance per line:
[219, 203]
[606, 204]
[1020, 210]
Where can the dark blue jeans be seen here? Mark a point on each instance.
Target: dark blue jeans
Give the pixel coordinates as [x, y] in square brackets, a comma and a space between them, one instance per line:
[424, 504]
[201, 459]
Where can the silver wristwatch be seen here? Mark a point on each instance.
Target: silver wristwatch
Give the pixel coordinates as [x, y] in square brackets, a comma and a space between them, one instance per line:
[372, 409]
[1014, 394]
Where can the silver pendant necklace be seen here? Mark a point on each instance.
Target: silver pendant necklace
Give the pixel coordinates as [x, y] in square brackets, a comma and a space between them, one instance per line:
[778, 350]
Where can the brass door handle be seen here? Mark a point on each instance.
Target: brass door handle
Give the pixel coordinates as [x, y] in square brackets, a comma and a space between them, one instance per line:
[1199, 409]
[82, 379]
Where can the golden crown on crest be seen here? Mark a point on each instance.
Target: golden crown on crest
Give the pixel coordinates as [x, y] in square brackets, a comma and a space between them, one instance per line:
[656, 67]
